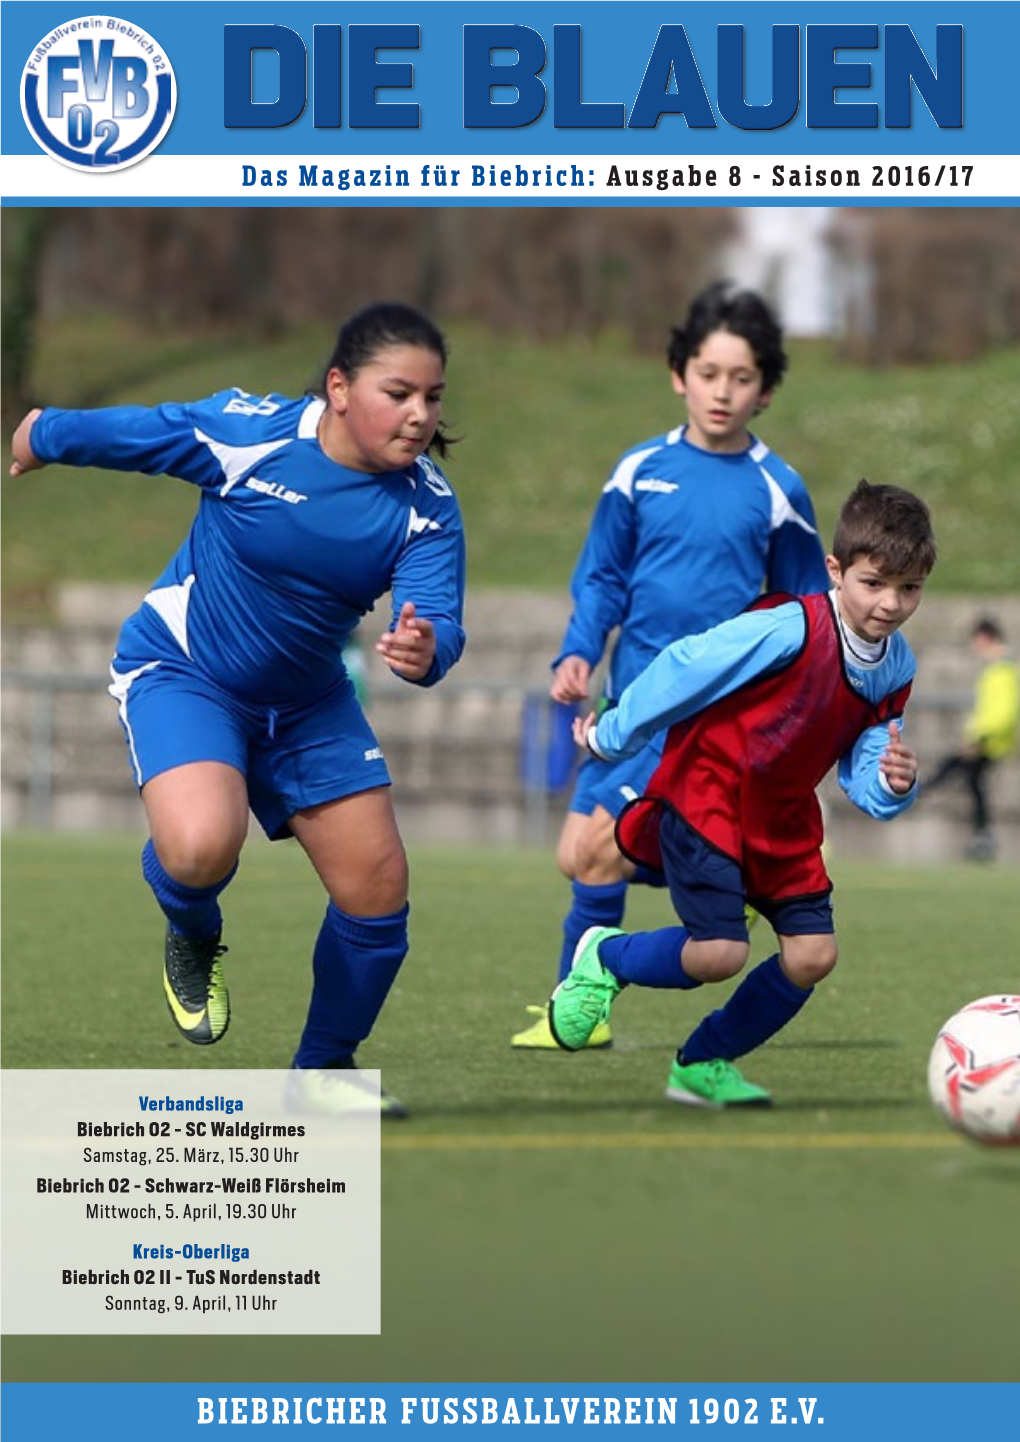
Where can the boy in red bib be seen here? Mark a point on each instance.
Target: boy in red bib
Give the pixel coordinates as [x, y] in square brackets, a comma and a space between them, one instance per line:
[757, 711]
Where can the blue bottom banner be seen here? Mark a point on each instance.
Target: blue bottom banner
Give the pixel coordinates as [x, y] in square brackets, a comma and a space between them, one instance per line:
[847, 1412]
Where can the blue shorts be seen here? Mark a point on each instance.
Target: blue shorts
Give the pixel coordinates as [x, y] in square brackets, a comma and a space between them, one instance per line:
[707, 890]
[292, 758]
[611, 784]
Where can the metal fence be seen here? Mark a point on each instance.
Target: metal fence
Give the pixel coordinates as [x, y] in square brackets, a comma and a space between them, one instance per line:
[34, 766]
[480, 744]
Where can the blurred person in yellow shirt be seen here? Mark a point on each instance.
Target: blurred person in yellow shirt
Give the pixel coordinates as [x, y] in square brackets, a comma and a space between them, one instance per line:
[990, 732]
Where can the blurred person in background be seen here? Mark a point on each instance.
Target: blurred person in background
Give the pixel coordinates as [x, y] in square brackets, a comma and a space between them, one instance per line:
[356, 665]
[690, 527]
[989, 734]
[230, 682]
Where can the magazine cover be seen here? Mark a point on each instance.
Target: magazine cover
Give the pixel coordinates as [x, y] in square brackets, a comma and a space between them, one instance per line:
[510, 788]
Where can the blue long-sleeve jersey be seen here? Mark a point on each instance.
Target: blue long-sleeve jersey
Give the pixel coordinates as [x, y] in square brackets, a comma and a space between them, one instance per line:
[695, 671]
[288, 550]
[684, 538]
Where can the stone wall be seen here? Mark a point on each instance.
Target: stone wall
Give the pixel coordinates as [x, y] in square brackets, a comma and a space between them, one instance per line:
[455, 751]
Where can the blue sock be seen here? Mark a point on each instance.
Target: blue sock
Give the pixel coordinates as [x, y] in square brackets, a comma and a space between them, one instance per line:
[593, 906]
[192, 911]
[355, 963]
[648, 958]
[648, 876]
[762, 1004]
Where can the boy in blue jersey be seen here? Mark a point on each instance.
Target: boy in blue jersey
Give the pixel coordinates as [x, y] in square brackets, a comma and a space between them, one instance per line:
[230, 683]
[690, 527]
[757, 711]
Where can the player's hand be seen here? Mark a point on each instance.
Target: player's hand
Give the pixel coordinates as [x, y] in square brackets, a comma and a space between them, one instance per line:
[25, 458]
[898, 763]
[570, 680]
[410, 648]
[582, 725]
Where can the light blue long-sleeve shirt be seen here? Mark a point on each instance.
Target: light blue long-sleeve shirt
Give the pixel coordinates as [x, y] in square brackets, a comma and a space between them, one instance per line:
[693, 672]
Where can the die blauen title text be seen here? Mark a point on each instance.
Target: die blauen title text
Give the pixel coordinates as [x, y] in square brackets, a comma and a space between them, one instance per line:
[670, 83]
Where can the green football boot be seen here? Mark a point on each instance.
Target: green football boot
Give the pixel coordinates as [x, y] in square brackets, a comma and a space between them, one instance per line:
[196, 992]
[582, 1001]
[715, 1084]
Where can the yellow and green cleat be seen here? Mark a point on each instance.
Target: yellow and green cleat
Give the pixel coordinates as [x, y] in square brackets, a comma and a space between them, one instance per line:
[196, 992]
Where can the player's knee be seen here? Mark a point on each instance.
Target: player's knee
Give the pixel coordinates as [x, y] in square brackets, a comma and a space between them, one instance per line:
[196, 857]
[598, 861]
[389, 880]
[807, 960]
[377, 887]
[717, 960]
[565, 852]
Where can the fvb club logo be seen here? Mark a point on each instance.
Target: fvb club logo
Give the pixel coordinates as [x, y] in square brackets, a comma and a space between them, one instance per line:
[98, 93]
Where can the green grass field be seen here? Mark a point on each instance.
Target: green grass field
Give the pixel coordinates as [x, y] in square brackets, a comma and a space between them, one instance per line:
[551, 1217]
[541, 426]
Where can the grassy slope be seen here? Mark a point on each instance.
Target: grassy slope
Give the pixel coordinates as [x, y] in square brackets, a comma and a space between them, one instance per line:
[542, 425]
[549, 1217]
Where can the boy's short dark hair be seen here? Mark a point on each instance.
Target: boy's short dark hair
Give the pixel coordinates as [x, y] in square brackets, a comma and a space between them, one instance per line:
[723, 306]
[888, 525]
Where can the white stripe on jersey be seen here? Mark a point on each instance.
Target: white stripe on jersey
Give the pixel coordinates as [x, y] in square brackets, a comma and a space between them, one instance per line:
[782, 511]
[622, 478]
[417, 524]
[119, 691]
[236, 460]
[171, 604]
[308, 425]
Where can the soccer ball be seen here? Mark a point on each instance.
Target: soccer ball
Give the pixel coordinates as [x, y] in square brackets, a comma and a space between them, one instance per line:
[974, 1070]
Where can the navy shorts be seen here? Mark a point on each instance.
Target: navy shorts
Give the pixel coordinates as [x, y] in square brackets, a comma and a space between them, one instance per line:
[292, 757]
[707, 890]
[611, 784]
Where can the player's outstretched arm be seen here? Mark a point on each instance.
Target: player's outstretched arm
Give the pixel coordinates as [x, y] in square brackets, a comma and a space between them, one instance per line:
[25, 458]
[694, 671]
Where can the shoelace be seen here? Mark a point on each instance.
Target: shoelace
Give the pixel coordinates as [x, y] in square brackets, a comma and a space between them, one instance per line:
[720, 1069]
[193, 965]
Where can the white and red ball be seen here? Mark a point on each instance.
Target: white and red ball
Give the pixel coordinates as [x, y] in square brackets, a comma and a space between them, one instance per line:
[974, 1070]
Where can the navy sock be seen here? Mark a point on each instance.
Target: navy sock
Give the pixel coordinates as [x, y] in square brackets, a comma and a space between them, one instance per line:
[593, 906]
[648, 958]
[762, 1004]
[192, 911]
[355, 963]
